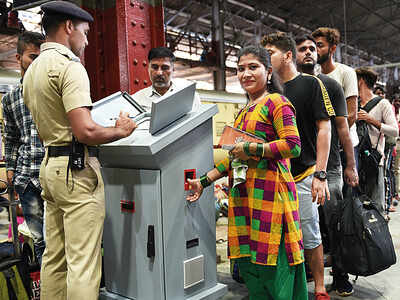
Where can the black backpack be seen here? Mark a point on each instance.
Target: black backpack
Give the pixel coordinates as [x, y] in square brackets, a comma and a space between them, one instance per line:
[368, 156]
[364, 244]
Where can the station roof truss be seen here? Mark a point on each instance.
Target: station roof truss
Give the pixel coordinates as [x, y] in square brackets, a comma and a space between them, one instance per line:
[370, 29]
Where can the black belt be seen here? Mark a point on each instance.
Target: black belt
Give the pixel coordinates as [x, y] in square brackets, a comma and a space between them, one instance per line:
[55, 151]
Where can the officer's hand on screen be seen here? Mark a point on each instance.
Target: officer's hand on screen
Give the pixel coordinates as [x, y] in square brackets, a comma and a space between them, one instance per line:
[125, 123]
[196, 190]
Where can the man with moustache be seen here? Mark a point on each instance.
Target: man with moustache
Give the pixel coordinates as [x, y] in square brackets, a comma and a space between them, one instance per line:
[327, 40]
[56, 90]
[161, 69]
[313, 112]
[306, 61]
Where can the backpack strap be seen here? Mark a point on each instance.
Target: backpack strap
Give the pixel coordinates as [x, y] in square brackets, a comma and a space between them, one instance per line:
[368, 107]
[371, 104]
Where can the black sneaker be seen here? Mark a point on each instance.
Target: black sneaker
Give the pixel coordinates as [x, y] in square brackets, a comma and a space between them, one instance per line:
[343, 287]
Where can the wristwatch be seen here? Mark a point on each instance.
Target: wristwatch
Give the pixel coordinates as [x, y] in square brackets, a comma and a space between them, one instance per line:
[321, 175]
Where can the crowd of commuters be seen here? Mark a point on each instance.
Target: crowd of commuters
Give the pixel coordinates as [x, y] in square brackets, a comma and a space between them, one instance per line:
[391, 163]
[329, 107]
[307, 119]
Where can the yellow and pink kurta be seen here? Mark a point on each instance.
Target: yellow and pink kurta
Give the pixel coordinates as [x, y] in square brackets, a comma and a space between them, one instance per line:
[266, 204]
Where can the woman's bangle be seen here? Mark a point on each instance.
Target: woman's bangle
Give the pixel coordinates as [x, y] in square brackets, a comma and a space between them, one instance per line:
[260, 150]
[246, 148]
[205, 181]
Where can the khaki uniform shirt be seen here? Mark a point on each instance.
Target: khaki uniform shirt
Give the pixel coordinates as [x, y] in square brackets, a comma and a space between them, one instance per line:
[54, 84]
[147, 95]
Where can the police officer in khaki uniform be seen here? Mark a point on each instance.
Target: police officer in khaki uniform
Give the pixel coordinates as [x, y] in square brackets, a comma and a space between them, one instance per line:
[56, 90]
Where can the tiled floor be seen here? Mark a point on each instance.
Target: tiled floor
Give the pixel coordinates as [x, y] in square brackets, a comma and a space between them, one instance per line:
[382, 286]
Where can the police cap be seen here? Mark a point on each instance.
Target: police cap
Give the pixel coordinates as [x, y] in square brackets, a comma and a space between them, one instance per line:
[66, 8]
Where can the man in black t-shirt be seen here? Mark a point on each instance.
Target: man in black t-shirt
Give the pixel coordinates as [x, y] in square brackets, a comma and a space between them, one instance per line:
[306, 61]
[313, 111]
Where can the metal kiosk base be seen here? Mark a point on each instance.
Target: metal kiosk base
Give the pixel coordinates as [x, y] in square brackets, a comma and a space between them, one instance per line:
[214, 293]
[158, 246]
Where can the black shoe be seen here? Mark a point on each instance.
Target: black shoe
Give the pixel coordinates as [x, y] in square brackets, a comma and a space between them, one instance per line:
[343, 287]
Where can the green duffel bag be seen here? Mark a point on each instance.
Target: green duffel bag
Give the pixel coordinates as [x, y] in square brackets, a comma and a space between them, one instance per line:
[15, 283]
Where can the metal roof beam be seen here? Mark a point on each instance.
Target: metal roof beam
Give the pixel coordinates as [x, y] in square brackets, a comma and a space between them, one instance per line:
[390, 65]
[181, 10]
[376, 14]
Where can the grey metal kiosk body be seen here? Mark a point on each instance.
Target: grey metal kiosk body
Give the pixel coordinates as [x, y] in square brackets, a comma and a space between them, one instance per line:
[156, 244]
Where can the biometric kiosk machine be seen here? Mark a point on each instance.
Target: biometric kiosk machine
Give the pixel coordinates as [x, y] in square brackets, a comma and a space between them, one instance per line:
[156, 244]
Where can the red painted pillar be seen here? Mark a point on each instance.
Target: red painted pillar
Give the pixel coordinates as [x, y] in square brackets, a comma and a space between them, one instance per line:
[119, 40]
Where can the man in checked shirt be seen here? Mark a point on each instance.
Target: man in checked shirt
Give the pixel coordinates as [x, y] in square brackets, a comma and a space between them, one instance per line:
[23, 149]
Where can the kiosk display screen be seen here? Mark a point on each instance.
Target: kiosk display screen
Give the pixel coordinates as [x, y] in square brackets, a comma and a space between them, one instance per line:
[171, 107]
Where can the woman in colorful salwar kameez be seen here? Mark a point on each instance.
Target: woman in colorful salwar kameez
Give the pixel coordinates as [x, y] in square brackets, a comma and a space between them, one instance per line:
[264, 234]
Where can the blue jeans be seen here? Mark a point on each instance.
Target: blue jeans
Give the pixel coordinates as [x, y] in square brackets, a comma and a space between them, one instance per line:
[32, 208]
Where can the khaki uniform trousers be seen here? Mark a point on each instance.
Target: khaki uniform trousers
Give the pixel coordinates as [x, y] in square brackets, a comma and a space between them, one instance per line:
[71, 266]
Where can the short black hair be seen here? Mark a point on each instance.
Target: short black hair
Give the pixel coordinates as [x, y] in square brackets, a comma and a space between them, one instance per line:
[302, 38]
[161, 52]
[29, 38]
[51, 22]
